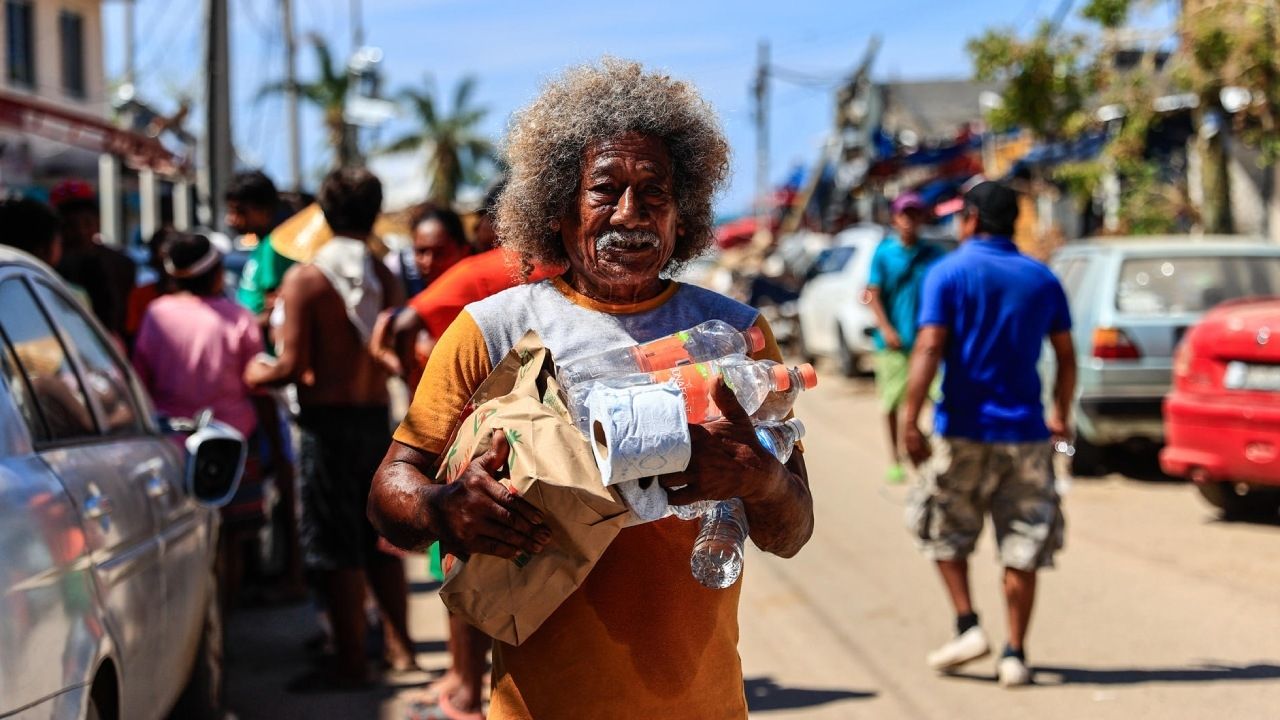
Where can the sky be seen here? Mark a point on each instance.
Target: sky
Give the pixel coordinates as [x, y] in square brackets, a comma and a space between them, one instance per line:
[511, 47]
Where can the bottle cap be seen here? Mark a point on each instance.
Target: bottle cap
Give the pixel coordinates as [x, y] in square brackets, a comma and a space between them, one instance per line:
[808, 376]
[755, 339]
[798, 426]
[781, 378]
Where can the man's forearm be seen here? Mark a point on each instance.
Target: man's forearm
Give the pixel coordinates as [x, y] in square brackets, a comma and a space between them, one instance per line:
[925, 359]
[399, 501]
[877, 309]
[1064, 390]
[782, 523]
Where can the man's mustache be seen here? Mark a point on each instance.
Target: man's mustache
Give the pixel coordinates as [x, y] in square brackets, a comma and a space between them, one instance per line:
[627, 238]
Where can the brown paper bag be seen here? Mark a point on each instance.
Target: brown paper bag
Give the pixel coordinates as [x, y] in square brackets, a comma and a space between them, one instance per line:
[552, 466]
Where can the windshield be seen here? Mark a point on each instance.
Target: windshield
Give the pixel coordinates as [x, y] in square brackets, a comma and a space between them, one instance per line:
[1158, 286]
[833, 259]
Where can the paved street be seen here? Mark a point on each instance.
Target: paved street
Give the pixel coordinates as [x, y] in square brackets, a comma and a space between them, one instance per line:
[1158, 609]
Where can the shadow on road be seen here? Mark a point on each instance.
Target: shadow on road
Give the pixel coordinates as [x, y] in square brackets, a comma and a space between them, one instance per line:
[763, 694]
[1050, 676]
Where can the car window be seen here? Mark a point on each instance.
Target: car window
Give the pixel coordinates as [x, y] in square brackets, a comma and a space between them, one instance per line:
[832, 259]
[105, 378]
[20, 392]
[43, 362]
[1155, 286]
[1071, 274]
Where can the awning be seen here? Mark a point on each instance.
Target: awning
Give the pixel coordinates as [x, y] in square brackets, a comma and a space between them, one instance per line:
[40, 118]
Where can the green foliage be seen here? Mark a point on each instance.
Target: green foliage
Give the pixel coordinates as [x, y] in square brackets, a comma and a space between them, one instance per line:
[328, 93]
[1109, 14]
[1045, 84]
[455, 148]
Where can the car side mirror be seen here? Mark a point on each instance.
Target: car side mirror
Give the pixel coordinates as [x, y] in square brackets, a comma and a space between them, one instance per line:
[215, 462]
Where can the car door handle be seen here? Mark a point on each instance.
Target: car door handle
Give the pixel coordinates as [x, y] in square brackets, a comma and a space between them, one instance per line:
[97, 506]
[157, 486]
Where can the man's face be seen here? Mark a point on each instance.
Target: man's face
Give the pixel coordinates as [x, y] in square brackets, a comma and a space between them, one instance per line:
[626, 222]
[80, 227]
[485, 237]
[434, 250]
[245, 218]
[907, 223]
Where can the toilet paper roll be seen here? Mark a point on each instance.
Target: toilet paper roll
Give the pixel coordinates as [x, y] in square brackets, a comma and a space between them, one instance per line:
[647, 501]
[638, 431]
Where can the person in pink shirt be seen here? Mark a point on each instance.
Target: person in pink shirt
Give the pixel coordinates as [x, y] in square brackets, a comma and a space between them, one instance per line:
[194, 344]
[191, 351]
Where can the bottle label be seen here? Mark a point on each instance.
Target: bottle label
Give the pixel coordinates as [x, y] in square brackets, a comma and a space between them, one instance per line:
[664, 353]
[694, 382]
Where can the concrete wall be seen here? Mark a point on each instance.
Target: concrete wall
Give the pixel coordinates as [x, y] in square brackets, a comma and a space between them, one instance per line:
[48, 56]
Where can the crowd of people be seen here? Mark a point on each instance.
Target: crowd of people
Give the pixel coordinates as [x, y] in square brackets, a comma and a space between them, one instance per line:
[609, 187]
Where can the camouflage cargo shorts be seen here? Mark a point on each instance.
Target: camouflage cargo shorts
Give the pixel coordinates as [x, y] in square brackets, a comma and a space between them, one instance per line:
[965, 480]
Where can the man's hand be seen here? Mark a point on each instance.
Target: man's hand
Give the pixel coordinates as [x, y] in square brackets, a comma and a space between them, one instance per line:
[916, 443]
[892, 340]
[477, 514]
[1058, 428]
[382, 343]
[728, 461]
[258, 372]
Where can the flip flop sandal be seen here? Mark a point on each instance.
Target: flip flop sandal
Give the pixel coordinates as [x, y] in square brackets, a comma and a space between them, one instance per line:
[442, 709]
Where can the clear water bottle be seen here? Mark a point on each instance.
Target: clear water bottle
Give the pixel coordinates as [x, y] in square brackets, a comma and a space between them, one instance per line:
[750, 380]
[1063, 452]
[778, 403]
[718, 552]
[700, 343]
[780, 438]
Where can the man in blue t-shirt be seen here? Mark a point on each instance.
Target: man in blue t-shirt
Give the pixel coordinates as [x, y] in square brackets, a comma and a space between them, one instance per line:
[985, 311]
[893, 293]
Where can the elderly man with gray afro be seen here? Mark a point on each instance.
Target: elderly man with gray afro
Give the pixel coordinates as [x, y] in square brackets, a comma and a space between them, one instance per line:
[612, 174]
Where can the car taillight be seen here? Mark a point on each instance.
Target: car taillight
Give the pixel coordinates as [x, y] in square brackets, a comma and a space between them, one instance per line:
[1113, 344]
[1195, 372]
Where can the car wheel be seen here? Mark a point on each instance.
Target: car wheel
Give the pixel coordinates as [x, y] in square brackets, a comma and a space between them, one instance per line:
[1089, 460]
[92, 712]
[202, 698]
[1223, 496]
[844, 356]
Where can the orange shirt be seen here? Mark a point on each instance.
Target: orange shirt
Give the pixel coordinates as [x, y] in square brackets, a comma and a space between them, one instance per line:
[640, 639]
[470, 279]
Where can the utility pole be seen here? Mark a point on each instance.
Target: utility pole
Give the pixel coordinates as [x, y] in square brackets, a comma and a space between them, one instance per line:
[130, 49]
[357, 27]
[760, 91]
[219, 151]
[291, 95]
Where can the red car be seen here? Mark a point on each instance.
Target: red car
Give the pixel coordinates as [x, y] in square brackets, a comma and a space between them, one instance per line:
[1222, 419]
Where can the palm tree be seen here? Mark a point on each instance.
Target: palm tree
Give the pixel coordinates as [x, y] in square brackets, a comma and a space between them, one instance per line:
[454, 147]
[328, 92]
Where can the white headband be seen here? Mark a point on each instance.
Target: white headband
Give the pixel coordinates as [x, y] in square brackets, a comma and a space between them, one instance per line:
[200, 267]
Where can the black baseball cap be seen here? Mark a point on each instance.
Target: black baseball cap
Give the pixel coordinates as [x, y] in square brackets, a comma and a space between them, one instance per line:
[996, 205]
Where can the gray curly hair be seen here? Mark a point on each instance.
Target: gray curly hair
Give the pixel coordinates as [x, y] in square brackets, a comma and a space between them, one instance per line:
[546, 141]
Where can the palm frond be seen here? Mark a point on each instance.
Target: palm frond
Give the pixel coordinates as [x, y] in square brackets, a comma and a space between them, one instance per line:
[411, 141]
[462, 94]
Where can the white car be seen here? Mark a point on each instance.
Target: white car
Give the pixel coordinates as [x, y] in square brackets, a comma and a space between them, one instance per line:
[834, 322]
[107, 530]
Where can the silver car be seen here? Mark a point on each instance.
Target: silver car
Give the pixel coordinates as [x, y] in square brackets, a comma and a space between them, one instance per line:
[108, 525]
[1131, 301]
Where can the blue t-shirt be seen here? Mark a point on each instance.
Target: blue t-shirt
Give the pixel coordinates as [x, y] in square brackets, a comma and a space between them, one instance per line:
[898, 271]
[998, 306]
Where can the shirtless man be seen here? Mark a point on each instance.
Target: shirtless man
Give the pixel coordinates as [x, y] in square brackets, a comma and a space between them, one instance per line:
[330, 305]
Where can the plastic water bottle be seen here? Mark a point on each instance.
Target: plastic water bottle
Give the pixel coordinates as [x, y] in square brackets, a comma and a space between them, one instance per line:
[750, 380]
[700, 343]
[717, 553]
[778, 403]
[780, 438]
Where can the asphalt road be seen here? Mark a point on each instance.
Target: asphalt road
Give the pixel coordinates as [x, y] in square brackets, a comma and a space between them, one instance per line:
[1157, 609]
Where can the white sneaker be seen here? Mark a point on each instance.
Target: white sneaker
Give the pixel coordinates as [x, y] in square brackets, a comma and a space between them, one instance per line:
[968, 645]
[1012, 672]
